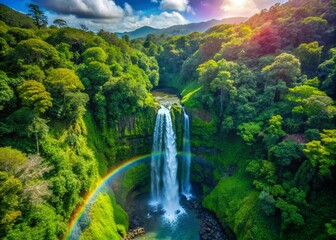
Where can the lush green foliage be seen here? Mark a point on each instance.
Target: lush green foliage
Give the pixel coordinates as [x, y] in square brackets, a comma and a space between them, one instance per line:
[261, 96]
[108, 220]
[49, 79]
[270, 81]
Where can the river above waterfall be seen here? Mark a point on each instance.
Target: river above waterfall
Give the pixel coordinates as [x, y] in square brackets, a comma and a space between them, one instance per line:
[166, 96]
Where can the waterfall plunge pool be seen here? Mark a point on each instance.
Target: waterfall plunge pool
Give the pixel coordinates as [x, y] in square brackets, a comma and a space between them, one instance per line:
[196, 223]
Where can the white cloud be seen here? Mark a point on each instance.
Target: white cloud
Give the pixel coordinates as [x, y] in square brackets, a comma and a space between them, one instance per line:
[126, 23]
[99, 9]
[162, 20]
[241, 8]
[128, 9]
[176, 5]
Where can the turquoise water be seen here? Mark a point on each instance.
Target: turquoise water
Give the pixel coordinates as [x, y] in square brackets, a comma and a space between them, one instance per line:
[186, 227]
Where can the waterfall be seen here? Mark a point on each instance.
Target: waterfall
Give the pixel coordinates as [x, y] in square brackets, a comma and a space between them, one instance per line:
[156, 159]
[186, 159]
[164, 183]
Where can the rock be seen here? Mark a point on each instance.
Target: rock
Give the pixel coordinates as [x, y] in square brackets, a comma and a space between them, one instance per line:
[210, 227]
[134, 233]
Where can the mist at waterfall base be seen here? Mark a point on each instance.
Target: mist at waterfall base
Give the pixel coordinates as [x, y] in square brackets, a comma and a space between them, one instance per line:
[185, 227]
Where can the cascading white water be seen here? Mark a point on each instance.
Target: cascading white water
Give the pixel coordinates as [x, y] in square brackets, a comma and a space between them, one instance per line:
[186, 160]
[164, 183]
[156, 160]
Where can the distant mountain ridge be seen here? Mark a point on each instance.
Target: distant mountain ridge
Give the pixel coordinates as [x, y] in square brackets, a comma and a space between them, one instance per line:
[178, 30]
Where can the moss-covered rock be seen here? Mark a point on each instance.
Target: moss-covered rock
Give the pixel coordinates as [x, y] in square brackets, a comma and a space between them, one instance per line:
[135, 181]
[176, 112]
[107, 219]
[234, 200]
[237, 204]
[203, 133]
[130, 136]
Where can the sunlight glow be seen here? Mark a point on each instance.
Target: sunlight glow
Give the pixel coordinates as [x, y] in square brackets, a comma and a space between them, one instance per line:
[243, 8]
[240, 2]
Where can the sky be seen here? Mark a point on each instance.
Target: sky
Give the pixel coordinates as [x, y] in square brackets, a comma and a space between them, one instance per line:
[122, 16]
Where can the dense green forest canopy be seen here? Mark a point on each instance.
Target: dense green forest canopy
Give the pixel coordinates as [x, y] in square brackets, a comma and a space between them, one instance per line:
[271, 81]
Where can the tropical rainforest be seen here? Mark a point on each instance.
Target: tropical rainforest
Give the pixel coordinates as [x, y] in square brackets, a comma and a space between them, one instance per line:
[261, 96]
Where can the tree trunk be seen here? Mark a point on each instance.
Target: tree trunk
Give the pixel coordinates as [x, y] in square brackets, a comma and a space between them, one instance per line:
[221, 102]
[37, 144]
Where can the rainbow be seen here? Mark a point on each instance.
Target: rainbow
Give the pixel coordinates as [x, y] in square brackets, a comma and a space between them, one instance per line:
[90, 197]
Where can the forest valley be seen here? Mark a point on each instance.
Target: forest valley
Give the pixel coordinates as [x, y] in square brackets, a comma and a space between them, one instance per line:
[261, 96]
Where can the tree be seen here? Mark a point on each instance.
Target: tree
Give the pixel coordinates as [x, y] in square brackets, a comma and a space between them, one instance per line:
[21, 34]
[36, 52]
[322, 154]
[290, 214]
[264, 173]
[62, 80]
[84, 27]
[313, 27]
[265, 41]
[248, 131]
[223, 83]
[11, 159]
[10, 189]
[6, 92]
[4, 48]
[299, 94]
[75, 103]
[310, 56]
[274, 131]
[38, 16]
[60, 22]
[33, 93]
[331, 227]
[39, 128]
[94, 54]
[65, 87]
[21, 184]
[124, 95]
[327, 73]
[320, 111]
[286, 68]
[35, 188]
[267, 203]
[98, 73]
[312, 103]
[285, 152]
[32, 72]
[207, 71]
[126, 38]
